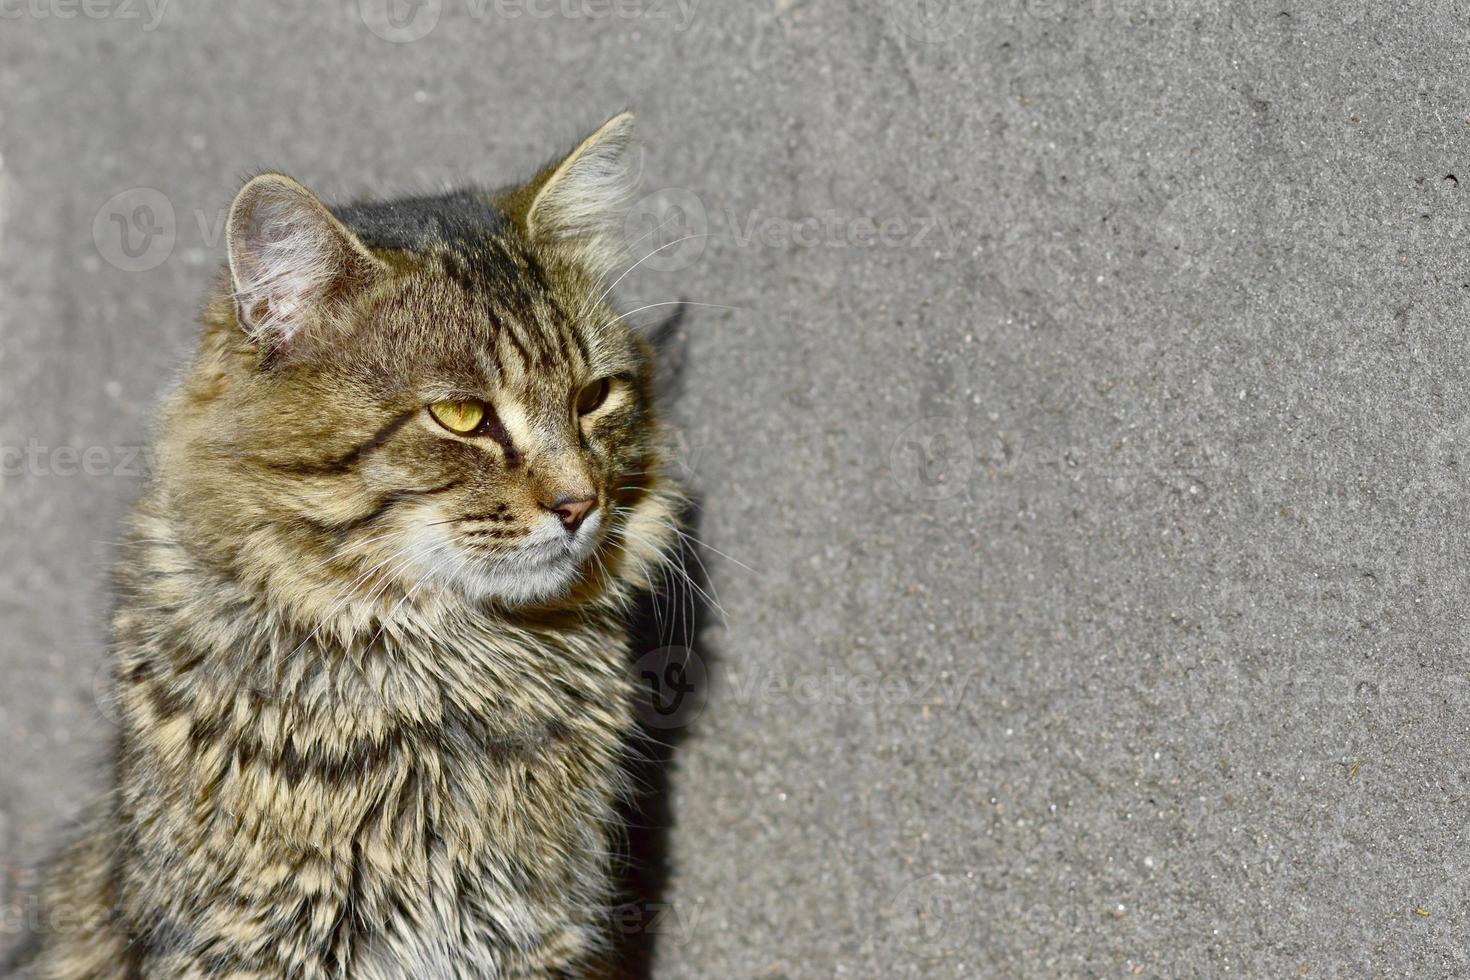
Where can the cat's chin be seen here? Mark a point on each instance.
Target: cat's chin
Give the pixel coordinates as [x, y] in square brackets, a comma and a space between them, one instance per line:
[519, 581]
[546, 568]
[520, 585]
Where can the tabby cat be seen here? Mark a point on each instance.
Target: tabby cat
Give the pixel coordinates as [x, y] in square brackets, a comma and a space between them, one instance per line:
[370, 662]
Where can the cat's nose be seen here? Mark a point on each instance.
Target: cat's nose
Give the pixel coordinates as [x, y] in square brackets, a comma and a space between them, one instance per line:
[571, 510]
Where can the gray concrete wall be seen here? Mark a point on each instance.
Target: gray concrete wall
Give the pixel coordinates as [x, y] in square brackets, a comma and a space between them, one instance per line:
[1100, 518]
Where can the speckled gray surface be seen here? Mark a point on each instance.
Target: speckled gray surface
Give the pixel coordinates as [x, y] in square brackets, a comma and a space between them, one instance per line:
[1092, 422]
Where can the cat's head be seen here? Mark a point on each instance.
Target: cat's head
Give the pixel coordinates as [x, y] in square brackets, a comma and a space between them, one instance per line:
[432, 394]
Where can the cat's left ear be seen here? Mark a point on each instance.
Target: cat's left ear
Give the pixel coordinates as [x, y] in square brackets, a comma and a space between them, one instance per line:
[579, 200]
[290, 261]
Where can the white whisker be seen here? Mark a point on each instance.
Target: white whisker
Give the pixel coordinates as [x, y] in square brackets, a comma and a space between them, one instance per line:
[606, 292]
[672, 302]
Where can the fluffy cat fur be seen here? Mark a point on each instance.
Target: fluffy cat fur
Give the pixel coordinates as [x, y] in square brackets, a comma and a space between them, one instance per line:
[373, 684]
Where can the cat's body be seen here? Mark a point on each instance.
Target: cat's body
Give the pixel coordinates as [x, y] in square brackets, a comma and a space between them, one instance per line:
[439, 808]
[370, 664]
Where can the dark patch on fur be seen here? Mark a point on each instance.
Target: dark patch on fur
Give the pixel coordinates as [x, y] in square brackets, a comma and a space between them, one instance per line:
[461, 219]
[385, 503]
[349, 459]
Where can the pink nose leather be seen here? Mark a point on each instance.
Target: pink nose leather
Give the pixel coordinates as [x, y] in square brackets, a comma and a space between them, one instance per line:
[571, 510]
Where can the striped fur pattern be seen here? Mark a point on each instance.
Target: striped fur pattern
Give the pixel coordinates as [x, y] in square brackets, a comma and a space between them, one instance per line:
[374, 691]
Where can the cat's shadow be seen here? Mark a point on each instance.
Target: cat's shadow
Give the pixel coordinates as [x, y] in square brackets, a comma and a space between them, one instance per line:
[672, 672]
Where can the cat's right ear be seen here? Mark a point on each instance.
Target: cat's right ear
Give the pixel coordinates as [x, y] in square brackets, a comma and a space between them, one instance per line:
[577, 202]
[289, 259]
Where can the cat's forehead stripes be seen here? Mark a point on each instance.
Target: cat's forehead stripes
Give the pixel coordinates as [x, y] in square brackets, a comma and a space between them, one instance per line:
[511, 297]
[471, 244]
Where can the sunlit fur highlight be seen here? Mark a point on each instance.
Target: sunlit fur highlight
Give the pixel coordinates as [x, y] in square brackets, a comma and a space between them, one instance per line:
[374, 697]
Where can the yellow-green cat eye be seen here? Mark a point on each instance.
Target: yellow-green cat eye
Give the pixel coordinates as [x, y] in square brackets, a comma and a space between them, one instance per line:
[592, 396]
[460, 418]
